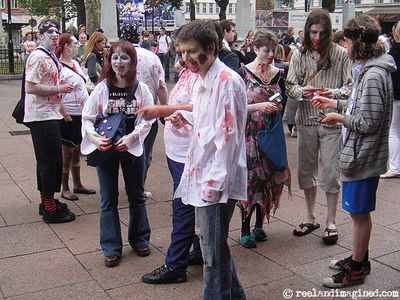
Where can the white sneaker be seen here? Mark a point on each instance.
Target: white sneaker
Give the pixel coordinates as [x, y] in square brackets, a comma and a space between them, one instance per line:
[148, 194]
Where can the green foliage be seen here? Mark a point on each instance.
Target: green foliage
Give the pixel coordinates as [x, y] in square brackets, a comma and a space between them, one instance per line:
[51, 8]
[176, 4]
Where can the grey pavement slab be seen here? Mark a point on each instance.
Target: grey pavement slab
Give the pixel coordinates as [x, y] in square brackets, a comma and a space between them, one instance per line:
[63, 261]
[27, 239]
[78, 291]
[39, 271]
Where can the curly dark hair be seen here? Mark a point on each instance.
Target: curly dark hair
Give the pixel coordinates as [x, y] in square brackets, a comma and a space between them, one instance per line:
[364, 32]
[319, 16]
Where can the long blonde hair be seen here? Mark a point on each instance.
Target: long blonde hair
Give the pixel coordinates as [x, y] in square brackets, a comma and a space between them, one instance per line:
[95, 37]
[396, 32]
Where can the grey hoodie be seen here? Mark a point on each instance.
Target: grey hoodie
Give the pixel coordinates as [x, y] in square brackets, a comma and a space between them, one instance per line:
[364, 148]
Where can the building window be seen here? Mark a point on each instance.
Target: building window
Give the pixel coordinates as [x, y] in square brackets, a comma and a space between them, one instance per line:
[395, 1]
[197, 8]
[2, 3]
[187, 8]
[339, 2]
[230, 8]
[14, 4]
[378, 1]
[218, 9]
[210, 8]
[357, 2]
[204, 8]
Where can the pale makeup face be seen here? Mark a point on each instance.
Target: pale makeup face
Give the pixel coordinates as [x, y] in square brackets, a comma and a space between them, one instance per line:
[120, 62]
[316, 34]
[195, 57]
[265, 54]
[73, 46]
[50, 38]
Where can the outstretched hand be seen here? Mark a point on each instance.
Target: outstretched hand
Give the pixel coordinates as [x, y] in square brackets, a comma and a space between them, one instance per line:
[323, 102]
[177, 120]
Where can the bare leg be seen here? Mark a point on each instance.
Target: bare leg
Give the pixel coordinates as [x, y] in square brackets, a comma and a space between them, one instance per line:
[332, 201]
[311, 196]
[76, 169]
[67, 160]
[362, 227]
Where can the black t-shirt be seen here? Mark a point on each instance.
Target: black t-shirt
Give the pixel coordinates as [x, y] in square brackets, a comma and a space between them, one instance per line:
[118, 101]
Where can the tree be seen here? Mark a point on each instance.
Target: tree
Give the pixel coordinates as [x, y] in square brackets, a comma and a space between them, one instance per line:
[223, 4]
[329, 5]
[192, 9]
[51, 8]
[80, 11]
[93, 11]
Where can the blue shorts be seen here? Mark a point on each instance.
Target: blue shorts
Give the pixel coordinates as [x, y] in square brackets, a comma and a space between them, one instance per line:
[359, 196]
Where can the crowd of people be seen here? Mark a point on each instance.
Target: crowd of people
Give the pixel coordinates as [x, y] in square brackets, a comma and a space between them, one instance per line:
[106, 103]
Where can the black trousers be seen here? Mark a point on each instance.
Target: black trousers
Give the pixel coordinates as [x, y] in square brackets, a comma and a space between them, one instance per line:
[47, 145]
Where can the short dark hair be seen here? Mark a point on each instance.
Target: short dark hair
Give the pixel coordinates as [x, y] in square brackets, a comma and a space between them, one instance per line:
[219, 31]
[264, 37]
[227, 25]
[202, 32]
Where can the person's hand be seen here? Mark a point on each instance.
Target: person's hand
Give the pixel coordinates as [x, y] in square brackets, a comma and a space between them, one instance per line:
[125, 142]
[323, 102]
[102, 143]
[332, 118]
[326, 93]
[150, 112]
[308, 91]
[66, 88]
[269, 107]
[177, 120]
[67, 118]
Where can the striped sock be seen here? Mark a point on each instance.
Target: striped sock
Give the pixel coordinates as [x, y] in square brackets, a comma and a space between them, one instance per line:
[50, 204]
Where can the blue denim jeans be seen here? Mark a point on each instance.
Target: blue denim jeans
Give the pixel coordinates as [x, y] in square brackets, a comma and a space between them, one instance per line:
[110, 228]
[164, 58]
[148, 146]
[220, 281]
[183, 222]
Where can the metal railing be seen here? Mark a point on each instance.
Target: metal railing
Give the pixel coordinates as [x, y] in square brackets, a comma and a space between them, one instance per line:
[4, 61]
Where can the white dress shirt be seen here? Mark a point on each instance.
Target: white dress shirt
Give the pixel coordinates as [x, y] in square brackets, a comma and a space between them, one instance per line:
[215, 169]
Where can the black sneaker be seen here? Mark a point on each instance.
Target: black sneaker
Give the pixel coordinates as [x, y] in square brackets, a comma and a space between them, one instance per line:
[339, 265]
[60, 205]
[164, 274]
[58, 216]
[347, 277]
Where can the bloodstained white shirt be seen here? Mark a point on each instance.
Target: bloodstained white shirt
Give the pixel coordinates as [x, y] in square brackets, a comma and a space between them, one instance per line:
[215, 169]
[177, 140]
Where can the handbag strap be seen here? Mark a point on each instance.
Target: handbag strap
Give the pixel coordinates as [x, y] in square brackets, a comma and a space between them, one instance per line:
[72, 69]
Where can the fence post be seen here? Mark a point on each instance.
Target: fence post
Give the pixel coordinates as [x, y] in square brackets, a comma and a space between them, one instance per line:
[10, 42]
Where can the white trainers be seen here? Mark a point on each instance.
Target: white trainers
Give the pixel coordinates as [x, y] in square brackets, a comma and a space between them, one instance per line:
[148, 194]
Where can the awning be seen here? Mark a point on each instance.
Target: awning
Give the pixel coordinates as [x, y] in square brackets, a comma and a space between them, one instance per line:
[388, 13]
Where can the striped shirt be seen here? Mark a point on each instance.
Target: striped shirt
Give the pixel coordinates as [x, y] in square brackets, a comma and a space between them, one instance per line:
[337, 77]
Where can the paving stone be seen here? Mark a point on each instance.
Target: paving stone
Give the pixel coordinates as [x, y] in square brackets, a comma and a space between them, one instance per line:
[187, 290]
[250, 264]
[83, 234]
[389, 212]
[394, 226]
[9, 146]
[78, 291]
[387, 189]
[2, 222]
[276, 289]
[288, 250]
[5, 177]
[392, 259]
[25, 169]
[130, 270]
[27, 239]
[40, 271]
[7, 189]
[20, 213]
[383, 240]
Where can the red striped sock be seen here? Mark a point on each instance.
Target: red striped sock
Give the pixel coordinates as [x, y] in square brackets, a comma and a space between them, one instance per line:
[50, 204]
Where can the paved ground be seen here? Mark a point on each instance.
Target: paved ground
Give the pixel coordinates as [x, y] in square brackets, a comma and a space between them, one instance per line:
[40, 261]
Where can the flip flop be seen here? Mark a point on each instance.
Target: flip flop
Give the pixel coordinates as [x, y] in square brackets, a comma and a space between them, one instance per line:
[72, 197]
[389, 175]
[84, 191]
[330, 239]
[310, 228]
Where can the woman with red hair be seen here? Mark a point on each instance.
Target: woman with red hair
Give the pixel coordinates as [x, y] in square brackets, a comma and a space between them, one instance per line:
[119, 91]
[70, 126]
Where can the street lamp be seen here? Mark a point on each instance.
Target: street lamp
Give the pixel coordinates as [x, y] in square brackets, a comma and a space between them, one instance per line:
[10, 41]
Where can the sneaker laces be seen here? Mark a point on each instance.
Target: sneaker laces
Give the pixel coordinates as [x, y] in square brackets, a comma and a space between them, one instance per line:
[343, 262]
[160, 270]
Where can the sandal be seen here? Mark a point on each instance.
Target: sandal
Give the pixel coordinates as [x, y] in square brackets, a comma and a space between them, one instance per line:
[310, 227]
[332, 236]
[247, 241]
[260, 235]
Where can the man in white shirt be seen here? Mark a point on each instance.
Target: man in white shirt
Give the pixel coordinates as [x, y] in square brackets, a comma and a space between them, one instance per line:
[229, 29]
[215, 175]
[164, 42]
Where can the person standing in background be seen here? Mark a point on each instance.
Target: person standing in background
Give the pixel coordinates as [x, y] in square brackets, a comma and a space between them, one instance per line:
[164, 42]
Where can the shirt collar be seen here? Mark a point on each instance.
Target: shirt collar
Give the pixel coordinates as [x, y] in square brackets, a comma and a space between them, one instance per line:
[208, 81]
